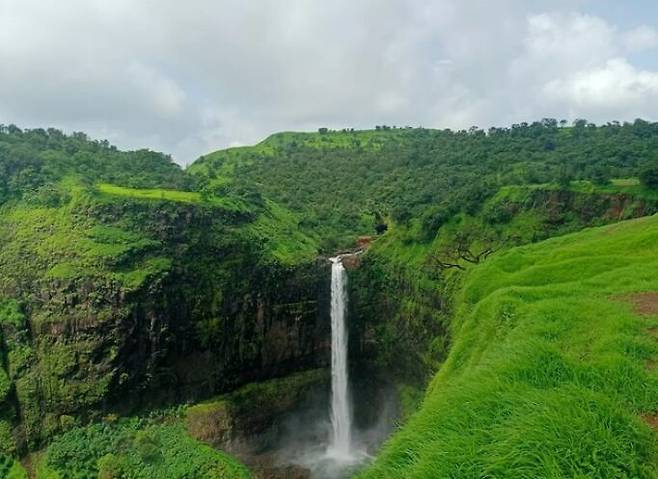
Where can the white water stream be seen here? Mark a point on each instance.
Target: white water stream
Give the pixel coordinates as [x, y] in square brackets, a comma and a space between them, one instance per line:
[341, 414]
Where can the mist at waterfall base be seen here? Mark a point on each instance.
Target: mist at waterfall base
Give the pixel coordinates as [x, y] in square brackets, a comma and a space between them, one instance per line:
[339, 427]
[305, 436]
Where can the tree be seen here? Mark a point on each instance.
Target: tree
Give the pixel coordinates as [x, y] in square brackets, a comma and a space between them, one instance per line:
[649, 176]
[600, 176]
[564, 178]
[471, 244]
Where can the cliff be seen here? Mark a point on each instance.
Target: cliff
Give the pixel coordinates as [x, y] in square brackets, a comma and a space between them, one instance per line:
[128, 303]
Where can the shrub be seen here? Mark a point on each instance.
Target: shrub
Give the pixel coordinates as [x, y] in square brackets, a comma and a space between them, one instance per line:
[649, 177]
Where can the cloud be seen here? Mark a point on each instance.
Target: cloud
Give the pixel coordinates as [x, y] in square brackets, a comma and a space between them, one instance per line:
[191, 78]
[164, 96]
[641, 38]
[608, 88]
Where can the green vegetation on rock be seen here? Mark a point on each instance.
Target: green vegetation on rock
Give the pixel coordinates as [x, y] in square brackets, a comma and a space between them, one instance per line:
[137, 449]
[108, 258]
[250, 409]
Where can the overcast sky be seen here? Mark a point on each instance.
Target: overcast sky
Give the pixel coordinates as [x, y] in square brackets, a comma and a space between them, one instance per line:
[189, 77]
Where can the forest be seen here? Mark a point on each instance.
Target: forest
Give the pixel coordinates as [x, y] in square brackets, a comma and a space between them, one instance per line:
[420, 175]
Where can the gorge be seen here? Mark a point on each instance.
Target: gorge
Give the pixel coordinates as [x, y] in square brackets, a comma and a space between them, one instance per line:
[160, 322]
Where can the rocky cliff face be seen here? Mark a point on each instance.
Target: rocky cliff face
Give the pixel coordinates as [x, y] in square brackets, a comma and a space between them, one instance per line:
[198, 312]
[274, 324]
[398, 318]
[569, 209]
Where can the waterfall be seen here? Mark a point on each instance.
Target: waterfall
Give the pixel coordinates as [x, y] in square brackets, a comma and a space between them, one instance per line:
[341, 416]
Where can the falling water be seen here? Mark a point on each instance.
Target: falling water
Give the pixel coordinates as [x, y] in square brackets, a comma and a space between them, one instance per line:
[341, 418]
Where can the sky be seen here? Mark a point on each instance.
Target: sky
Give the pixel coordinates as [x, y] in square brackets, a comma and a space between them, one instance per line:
[187, 78]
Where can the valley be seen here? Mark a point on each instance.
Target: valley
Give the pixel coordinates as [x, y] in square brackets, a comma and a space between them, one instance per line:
[497, 321]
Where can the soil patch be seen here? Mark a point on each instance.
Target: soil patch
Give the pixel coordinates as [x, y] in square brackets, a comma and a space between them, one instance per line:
[651, 420]
[643, 303]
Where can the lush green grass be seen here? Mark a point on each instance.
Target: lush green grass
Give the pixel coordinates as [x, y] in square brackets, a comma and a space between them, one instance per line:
[273, 227]
[10, 468]
[64, 245]
[150, 194]
[631, 186]
[548, 373]
[160, 194]
[277, 230]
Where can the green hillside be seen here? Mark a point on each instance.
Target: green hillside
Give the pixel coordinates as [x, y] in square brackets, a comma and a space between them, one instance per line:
[346, 183]
[94, 242]
[551, 370]
[30, 160]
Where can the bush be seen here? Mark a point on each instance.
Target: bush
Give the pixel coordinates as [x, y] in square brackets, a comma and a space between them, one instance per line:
[134, 448]
[7, 444]
[109, 467]
[649, 177]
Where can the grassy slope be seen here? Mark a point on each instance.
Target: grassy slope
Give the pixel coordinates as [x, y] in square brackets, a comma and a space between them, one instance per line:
[274, 227]
[225, 162]
[178, 196]
[62, 244]
[225, 167]
[150, 194]
[547, 376]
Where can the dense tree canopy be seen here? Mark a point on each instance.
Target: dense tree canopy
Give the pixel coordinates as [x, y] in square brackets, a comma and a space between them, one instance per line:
[649, 176]
[343, 182]
[30, 159]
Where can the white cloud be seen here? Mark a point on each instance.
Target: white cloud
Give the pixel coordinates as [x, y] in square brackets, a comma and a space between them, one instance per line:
[641, 38]
[188, 79]
[610, 87]
[164, 95]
